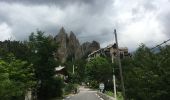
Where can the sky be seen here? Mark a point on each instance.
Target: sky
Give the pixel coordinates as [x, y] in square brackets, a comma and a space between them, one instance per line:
[136, 21]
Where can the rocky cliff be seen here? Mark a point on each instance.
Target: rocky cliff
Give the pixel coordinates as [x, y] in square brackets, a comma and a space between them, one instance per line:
[70, 48]
[62, 39]
[89, 47]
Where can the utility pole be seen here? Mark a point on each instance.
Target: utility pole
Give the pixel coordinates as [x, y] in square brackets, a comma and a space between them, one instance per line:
[73, 65]
[120, 66]
[73, 68]
[114, 81]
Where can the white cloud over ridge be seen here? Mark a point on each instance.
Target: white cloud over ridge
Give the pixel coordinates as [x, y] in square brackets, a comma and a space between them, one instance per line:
[136, 21]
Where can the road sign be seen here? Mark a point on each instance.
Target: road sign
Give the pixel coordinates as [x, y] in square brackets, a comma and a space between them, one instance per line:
[101, 86]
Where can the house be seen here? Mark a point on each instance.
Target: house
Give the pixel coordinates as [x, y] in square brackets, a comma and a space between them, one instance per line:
[61, 72]
[110, 51]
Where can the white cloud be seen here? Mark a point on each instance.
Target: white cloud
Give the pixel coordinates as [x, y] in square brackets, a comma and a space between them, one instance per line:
[25, 19]
[136, 21]
[5, 32]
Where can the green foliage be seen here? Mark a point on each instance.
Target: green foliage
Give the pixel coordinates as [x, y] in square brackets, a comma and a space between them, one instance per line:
[39, 54]
[147, 74]
[74, 78]
[50, 88]
[94, 84]
[98, 70]
[79, 70]
[42, 57]
[119, 96]
[110, 93]
[19, 49]
[16, 77]
[70, 88]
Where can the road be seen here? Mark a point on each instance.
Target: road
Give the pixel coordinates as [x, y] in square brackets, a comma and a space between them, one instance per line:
[84, 94]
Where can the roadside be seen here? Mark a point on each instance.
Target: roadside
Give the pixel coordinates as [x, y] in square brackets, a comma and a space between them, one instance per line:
[88, 94]
[84, 94]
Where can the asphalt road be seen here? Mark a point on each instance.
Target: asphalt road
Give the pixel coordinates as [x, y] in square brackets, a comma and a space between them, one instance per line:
[84, 94]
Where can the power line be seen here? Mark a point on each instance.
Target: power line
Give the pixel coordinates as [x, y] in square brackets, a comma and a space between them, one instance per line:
[160, 44]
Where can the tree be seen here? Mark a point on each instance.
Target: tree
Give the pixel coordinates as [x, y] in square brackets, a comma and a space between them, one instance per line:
[99, 70]
[42, 57]
[18, 48]
[79, 70]
[16, 77]
[146, 74]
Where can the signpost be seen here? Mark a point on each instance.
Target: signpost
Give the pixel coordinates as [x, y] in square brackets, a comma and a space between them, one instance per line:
[101, 86]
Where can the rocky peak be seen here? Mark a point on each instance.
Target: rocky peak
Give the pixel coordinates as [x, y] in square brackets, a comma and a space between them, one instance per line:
[73, 40]
[62, 39]
[74, 49]
[94, 45]
[72, 35]
[70, 48]
[88, 47]
[50, 37]
[62, 31]
[61, 35]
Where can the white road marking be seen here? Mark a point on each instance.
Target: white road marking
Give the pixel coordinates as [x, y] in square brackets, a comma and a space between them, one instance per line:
[68, 97]
[99, 97]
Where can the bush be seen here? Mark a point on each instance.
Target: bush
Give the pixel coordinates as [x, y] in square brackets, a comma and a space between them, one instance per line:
[70, 88]
[16, 77]
[110, 93]
[51, 88]
[94, 84]
[119, 96]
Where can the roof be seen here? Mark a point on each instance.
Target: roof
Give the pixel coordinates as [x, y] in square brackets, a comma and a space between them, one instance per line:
[108, 47]
[59, 68]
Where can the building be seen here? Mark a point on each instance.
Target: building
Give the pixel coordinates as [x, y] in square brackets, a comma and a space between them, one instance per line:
[61, 72]
[110, 51]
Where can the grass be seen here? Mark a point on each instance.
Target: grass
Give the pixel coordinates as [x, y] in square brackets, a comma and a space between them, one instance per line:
[119, 94]
[109, 93]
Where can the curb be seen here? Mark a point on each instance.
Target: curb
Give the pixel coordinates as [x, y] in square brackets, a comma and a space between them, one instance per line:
[105, 97]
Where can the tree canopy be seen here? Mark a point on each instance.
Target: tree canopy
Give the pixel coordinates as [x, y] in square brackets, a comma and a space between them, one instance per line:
[16, 77]
[44, 63]
[99, 70]
[147, 74]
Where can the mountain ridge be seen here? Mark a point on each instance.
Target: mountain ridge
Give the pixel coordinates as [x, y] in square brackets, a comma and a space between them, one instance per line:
[70, 47]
